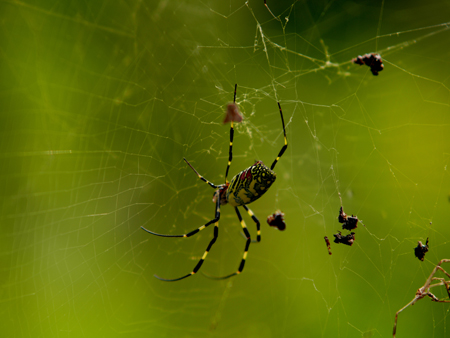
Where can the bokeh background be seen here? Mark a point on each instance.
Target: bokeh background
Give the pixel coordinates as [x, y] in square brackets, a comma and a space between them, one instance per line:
[100, 101]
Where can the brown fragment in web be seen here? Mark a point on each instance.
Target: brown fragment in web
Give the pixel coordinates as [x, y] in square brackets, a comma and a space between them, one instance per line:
[232, 113]
[327, 241]
[348, 222]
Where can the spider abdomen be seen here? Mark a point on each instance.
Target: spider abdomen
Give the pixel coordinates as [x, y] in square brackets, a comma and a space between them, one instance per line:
[250, 184]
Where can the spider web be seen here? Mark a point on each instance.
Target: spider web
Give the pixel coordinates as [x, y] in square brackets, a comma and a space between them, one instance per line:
[101, 103]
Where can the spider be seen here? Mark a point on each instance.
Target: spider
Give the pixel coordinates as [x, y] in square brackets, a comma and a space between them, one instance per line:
[425, 290]
[244, 188]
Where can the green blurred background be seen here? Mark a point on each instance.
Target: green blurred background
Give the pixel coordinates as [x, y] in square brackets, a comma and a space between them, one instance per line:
[100, 101]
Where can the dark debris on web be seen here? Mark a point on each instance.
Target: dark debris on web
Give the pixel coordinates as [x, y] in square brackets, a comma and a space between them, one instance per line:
[371, 60]
[347, 240]
[277, 220]
[420, 250]
[348, 222]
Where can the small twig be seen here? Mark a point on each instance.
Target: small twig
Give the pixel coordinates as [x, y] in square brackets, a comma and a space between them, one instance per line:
[425, 290]
[275, 17]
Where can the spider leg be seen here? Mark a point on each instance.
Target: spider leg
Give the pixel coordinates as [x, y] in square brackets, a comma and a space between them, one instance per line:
[285, 141]
[200, 176]
[230, 153]
[189, 234]
[247, 244]
[252, 215]
[199, 264]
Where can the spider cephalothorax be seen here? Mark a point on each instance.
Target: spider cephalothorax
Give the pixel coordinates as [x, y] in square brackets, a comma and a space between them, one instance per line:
[244, 188]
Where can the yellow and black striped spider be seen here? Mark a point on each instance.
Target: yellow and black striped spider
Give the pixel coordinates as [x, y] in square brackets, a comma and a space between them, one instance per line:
[244, 188]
